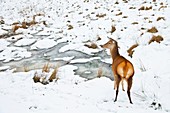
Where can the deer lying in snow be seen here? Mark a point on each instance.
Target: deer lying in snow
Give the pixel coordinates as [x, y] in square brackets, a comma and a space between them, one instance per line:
[121, 67]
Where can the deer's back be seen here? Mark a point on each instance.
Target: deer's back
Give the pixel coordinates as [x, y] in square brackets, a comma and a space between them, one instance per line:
[122, 67]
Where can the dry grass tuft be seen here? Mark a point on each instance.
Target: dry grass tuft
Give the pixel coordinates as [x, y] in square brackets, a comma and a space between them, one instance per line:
[135, 23]
[119, 14]
[100, 72]
[152, 30]
[92, 45]
[36, 78]
[132, 7]
[116, 2]
[148, 8]
[158, 39]
[100, 15]
[44, 76]
[161, 18]
[98, 38]
[46, 68]
[70, 27]
[54, 75]
[26, 69]
[24, 24]
[131, 50]
[162, 7]
[145, 8]
[113, 29]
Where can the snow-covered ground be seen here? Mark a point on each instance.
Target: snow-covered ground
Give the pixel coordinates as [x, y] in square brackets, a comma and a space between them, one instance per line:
[80, 22]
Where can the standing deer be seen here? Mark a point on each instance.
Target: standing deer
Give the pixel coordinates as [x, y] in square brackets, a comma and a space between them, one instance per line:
[121, 67]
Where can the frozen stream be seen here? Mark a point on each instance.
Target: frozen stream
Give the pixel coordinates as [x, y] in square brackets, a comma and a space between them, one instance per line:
[88, 69]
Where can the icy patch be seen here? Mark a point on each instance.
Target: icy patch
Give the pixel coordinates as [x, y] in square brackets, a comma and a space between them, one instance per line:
[84, 60]
[44, 44]
[14, 53]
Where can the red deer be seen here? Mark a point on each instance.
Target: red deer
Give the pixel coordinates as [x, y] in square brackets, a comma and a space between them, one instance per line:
[121, 67]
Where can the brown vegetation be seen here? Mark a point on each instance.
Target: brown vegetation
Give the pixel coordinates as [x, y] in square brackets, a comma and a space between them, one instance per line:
[70, 27]
[119, 14]
[99, 72]
[131, 50]
[113, 29]
[54, 75]
[162, 7]
[25, 25]
[100, 15]
[145, 8]
[158, 39]
[152, 30]
[44, 76]
[46, 68]
[135, 23]
[36, 78]
[160, 18]
[92, 45]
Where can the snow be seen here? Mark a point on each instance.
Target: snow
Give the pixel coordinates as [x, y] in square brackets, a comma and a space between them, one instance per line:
[2, 32]
[79, 47]
[65, 58]
[15, 38]
[14, 53]
[72, 93]
[25, 42]
[3, 44]
[44, 44]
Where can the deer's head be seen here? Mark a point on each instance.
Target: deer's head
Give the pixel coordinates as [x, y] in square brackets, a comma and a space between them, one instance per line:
[110, 44]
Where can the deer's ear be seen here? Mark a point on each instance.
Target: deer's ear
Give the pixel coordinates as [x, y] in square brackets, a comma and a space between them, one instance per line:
[111, 39]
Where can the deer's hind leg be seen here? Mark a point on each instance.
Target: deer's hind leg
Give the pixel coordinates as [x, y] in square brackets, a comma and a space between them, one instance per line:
[117, 82]
[129, 84]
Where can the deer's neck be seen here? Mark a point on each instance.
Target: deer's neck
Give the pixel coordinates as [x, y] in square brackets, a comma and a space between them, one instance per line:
[114, 53]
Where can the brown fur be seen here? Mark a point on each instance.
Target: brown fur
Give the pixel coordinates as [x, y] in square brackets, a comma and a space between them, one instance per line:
[122, 68]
